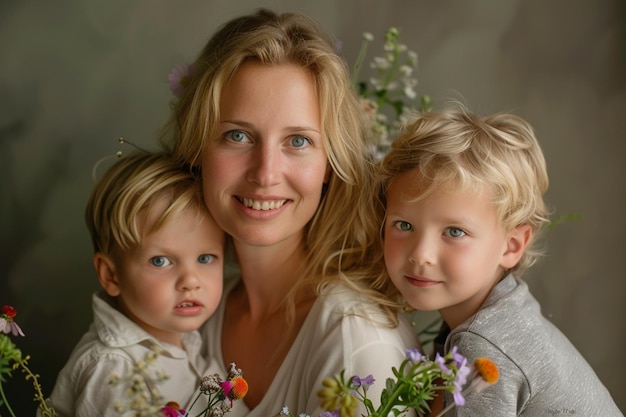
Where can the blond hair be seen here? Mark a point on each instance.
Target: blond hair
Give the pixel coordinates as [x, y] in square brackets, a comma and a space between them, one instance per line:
[459, 147]
[339, 241]
[131, 186]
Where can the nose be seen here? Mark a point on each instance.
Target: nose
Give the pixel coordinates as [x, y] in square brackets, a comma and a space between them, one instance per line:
[188, 281]
[265, 165]
[423, 251]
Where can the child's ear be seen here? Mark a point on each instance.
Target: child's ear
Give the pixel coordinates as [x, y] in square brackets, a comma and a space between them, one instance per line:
[517, 241]
[107, 274]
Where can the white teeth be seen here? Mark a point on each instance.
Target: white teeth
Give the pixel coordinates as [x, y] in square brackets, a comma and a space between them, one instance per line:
[262, 205]
[186, 304]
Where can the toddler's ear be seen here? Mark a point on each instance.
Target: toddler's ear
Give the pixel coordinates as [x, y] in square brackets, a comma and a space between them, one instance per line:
[517, 241]
[107, 275]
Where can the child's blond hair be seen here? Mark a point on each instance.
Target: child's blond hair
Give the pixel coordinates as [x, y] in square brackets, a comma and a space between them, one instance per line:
[131, 186]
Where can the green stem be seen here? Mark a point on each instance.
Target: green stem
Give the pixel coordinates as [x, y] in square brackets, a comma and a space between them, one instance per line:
[359, 62]
[5, 401]
[390, 76]
[390, 401]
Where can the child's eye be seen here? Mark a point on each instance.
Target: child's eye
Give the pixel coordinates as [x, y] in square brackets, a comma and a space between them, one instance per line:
[237, 136]
[402, 225]
[160, 261]
[299, 141]
[454, 232]
[206, 258]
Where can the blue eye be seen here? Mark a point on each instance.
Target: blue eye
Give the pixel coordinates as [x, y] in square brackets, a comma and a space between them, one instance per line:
[160, 261]
[237, 136]
[206, 258]
[299, 141]
[402, 225]
[454, 232]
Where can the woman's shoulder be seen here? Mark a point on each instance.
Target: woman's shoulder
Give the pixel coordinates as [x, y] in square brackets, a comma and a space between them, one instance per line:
[342, 299]
[345, 307]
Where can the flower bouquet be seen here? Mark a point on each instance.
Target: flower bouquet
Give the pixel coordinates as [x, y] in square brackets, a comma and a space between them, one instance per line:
[142, 401]
[415, 384]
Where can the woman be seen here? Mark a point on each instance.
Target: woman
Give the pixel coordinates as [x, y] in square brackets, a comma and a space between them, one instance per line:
[268, 116]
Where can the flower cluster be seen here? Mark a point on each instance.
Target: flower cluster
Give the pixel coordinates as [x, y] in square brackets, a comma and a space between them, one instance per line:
[142, 400]
[416, 383]
[11, 358]
[219, 394]
[389, 96]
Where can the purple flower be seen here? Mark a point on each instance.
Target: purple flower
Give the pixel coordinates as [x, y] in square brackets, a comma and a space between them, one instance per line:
[441, 362]
[459, 400]
[362, 382]
[414, 355]
[330, 414]
[178, 78]
[457, 357]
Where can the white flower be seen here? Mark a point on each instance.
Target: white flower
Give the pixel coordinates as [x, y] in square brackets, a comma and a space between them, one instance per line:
[380, 63]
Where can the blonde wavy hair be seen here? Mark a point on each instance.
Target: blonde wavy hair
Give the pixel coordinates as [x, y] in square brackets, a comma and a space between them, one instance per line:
[339, 240]
[130, 187]
[459, 147]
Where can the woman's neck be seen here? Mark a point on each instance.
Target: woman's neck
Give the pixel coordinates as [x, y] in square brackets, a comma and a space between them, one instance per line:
[269, 274]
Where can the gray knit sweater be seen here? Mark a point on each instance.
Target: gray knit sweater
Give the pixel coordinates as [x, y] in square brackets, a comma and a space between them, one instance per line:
[541, 372]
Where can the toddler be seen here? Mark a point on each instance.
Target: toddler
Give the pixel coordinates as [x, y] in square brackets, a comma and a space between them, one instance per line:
[158, 257]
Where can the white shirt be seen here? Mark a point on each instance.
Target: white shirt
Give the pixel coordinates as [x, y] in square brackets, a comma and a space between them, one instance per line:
[113, 345]
[342, 331]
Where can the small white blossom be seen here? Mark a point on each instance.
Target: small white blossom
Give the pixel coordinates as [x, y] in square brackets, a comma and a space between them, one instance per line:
[406, 70]
[380, 63]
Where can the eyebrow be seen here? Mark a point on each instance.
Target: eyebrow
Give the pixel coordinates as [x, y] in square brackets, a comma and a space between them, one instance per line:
[288, 128]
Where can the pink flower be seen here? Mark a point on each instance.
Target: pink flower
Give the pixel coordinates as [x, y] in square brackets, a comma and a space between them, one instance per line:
[234, 389]
[7, 324]
[172, 409]
[178, 79]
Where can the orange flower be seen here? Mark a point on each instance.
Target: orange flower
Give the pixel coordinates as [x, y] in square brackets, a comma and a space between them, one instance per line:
[484, 374]
[487, 370]
[240, 388]
[235, 389]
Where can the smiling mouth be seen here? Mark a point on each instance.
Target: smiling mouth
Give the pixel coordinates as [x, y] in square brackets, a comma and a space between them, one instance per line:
[261, 205]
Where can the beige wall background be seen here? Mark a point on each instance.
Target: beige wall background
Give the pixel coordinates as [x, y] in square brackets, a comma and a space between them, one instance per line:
[77, 74]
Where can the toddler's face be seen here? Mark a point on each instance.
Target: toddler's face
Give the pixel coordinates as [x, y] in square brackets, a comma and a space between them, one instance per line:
[173, 282]
[444, 252]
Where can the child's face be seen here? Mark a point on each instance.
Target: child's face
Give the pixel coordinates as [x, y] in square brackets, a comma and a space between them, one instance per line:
[173, 282]
[445, 252]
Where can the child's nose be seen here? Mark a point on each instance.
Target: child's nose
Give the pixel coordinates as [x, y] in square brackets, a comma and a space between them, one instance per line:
[423, 252]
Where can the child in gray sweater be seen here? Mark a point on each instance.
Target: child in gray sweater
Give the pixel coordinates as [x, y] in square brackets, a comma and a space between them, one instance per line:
[463, 199]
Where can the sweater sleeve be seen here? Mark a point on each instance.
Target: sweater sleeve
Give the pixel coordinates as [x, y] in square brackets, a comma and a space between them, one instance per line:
[507, 397]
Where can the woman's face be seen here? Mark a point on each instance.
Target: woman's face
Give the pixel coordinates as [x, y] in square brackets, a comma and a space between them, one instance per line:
[263, 174]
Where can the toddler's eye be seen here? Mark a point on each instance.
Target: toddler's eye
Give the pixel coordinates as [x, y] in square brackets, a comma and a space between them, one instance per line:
[160, 261]
[299, 141]
[206, 258]
[404, 226]
[454, 232]
[237, 136]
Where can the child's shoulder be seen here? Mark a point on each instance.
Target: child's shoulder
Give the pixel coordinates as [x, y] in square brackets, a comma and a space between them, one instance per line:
[510, 321]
